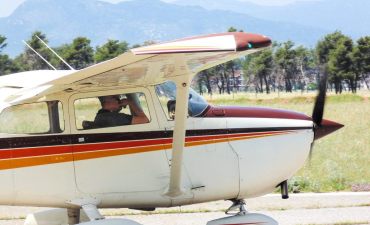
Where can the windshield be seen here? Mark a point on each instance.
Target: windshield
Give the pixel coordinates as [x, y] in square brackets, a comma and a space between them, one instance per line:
[167, 96]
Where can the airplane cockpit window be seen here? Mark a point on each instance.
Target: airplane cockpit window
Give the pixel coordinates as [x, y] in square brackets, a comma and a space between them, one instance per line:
[111, 111]
[167, 96]
[33, 118]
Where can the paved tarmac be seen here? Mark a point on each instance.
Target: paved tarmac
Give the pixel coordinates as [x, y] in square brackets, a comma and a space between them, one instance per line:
[326, 208]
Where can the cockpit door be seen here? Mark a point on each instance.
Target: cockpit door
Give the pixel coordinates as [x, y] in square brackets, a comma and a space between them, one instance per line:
[117, 159]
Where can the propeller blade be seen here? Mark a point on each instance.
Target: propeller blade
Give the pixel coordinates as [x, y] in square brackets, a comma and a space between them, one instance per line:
[321, 127]
[318, 110]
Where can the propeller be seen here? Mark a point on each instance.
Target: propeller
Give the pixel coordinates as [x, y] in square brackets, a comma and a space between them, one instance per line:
[318, 110]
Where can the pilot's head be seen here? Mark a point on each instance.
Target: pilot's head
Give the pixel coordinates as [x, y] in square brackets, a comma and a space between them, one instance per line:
[111, 103]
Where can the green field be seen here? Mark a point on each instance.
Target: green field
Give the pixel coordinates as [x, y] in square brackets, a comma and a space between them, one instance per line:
[341, 160]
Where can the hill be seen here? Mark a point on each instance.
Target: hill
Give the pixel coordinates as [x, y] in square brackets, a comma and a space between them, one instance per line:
[351, 17]
[135, 21]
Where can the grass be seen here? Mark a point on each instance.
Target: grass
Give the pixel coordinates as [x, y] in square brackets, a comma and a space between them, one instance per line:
[339, 160]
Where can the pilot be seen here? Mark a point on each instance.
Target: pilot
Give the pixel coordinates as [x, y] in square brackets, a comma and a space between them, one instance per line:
[109, 115]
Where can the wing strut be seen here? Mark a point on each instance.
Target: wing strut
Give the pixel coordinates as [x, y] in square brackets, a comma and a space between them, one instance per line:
[179, 131]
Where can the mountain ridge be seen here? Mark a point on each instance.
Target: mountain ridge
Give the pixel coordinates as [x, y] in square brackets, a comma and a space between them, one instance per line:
[348, 16]
[135, 22]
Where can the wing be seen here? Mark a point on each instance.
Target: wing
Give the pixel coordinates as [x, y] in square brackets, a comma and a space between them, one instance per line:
[155, 64]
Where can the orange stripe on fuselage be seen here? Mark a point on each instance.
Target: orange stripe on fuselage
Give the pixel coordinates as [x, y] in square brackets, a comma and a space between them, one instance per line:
[35, 161]
[26, 157]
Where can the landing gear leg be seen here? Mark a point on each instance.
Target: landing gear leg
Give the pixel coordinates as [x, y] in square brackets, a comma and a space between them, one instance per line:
[238, 204]
[73, 216]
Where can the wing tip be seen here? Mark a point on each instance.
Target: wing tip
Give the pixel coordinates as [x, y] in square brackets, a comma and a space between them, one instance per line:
[246, 41]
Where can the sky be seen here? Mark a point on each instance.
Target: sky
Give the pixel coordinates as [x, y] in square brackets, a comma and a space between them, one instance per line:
[8, 6]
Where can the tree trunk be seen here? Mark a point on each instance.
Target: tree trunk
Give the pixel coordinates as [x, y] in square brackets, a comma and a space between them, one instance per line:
[288, 85]
[219, 85]
[352, 86]
[208, 83]
[261, 83]
[222, 83]
[267, 85]
[200, 86]
[227, 79]
[235, 87]
[337, 85]
[273, 84]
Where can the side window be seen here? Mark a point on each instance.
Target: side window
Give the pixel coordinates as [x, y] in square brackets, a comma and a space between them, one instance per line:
[166, 93]
[111, 111]
[34, 118]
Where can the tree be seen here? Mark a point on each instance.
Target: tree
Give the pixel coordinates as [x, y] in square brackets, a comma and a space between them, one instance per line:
[232, 29]
[305, 61]
[145, 43]
[220, 78]
[205, 77]
[326, 45]
[230, 68]
[79, 54]
[110, 50]
[261, 66]
[340, 64]
[285, 59]
[6, 64]
[324, 49]
[2, 43]
[361, 59]
[28, 60]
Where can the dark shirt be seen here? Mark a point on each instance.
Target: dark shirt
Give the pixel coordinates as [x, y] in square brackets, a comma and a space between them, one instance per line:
[105, 118]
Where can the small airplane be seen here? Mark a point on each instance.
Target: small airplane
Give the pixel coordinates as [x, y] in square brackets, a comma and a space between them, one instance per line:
[131, 133]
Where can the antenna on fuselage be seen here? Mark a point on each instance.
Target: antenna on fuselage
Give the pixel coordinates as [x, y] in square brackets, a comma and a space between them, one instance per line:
[39, 55]
[69, 66]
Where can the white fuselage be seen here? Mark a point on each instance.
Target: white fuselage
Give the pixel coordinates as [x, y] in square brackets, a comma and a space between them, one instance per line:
[225, 158]
[225, 170]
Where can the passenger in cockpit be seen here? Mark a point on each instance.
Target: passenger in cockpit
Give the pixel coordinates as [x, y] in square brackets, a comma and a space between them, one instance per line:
[109, 115]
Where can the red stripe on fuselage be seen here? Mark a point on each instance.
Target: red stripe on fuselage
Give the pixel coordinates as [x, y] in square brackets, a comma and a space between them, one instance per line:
[90, 147]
